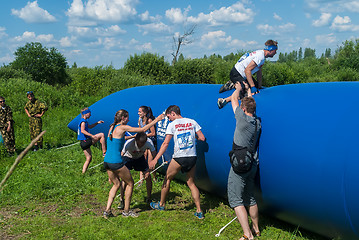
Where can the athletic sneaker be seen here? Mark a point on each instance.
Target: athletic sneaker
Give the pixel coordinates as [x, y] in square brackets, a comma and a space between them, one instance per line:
[156, 206]
[121, 205]
[221, 102]
[130, 214]
[227, 86]
[107, 215]
[199, 215]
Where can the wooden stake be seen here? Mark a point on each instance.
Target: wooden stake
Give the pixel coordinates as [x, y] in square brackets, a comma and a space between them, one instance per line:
[18, 159]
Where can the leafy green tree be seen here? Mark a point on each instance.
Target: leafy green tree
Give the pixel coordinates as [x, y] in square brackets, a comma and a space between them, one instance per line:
[300, 54]
[348, 55]
[44, 65]
[149, 65]
[309, 53]
[180, 58]
[328, 53]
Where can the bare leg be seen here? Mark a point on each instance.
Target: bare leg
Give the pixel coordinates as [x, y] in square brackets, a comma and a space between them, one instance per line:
[253, 213]
[122, 190]
[148, 185]
[194, 190]
[127, 178]
[172, 170]
[242, 216]
[116, 185]
[101, 138]
[88, 155]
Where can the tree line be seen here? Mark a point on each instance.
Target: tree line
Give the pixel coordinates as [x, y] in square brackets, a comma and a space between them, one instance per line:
[38, 63]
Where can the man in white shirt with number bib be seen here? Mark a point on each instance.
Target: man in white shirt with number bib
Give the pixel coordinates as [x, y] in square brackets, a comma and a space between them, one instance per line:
[183, 130]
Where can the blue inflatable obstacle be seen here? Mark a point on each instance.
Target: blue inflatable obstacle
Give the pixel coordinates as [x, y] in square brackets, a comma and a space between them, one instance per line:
[308, 149]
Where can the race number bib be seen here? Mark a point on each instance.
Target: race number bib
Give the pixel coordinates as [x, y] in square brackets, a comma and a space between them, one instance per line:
[185, 141]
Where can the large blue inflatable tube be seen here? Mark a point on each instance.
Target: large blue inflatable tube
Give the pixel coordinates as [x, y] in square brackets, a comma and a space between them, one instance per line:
[308, 148]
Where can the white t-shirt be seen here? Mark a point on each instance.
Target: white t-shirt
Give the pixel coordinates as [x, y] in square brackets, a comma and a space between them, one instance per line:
[184, 136]
[243, 62]
[131, 150]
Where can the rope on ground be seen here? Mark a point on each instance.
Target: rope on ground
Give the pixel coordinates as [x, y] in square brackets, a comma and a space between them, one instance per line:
[219, 233]
[96, 165]
[67, 145]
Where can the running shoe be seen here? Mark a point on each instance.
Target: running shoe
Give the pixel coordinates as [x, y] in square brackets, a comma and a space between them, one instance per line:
[199, 215]
[156, 206]
[130, 214]
[221, 102]
[107, 215]
[227, 86]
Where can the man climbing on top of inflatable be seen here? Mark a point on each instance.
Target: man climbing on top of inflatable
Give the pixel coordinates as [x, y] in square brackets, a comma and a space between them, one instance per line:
[243, 70]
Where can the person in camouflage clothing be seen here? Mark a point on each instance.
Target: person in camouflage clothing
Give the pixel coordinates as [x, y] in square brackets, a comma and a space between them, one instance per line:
[35, 110]
[7, 126]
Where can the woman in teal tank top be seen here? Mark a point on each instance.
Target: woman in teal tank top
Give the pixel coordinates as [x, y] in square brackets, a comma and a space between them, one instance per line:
[114, 164]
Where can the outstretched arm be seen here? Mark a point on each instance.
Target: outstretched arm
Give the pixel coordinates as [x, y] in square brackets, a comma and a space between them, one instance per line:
[162, 150]
[234, 98]
[144, 128]
[95, 124]
[248, 71]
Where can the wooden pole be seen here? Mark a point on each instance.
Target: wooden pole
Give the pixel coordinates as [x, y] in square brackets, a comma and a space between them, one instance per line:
[18, 159]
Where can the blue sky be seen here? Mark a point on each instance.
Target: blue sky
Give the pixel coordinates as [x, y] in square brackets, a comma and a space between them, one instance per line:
[103, 32]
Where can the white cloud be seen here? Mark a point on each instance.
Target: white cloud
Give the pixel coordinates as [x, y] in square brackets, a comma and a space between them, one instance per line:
[334, 6]
[2, 32]
[237, 13]
[219, 39]
[288, 27]
[306, 43]
[211, 40]
[102, 10]
[175, 15]
[326, 39]
[277, 17]
[31, 37]
[145, 17]
[32, 13]
[323, 20]
[343, 24]
[111, 31]
[7, 58]
[266, 29]
[144, 47]
[66, 42]
[154, 28]
[91, 32]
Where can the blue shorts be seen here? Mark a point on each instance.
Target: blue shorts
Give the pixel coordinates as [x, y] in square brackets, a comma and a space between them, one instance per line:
[186, 163]
[139, 164]
[113, 166]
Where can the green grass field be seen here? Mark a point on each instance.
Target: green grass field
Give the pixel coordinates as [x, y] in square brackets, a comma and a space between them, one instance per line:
[47, 197]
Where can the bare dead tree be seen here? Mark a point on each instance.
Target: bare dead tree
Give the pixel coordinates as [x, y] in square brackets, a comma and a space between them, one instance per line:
[181, 40]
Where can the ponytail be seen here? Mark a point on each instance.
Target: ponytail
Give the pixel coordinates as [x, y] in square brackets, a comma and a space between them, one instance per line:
[118, 118]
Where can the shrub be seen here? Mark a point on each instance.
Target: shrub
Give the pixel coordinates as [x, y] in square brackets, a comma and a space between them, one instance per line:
[149, 65]
[193, 71]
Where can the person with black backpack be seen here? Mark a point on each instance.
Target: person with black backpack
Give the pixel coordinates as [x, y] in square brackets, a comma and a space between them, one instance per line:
[244, 161]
